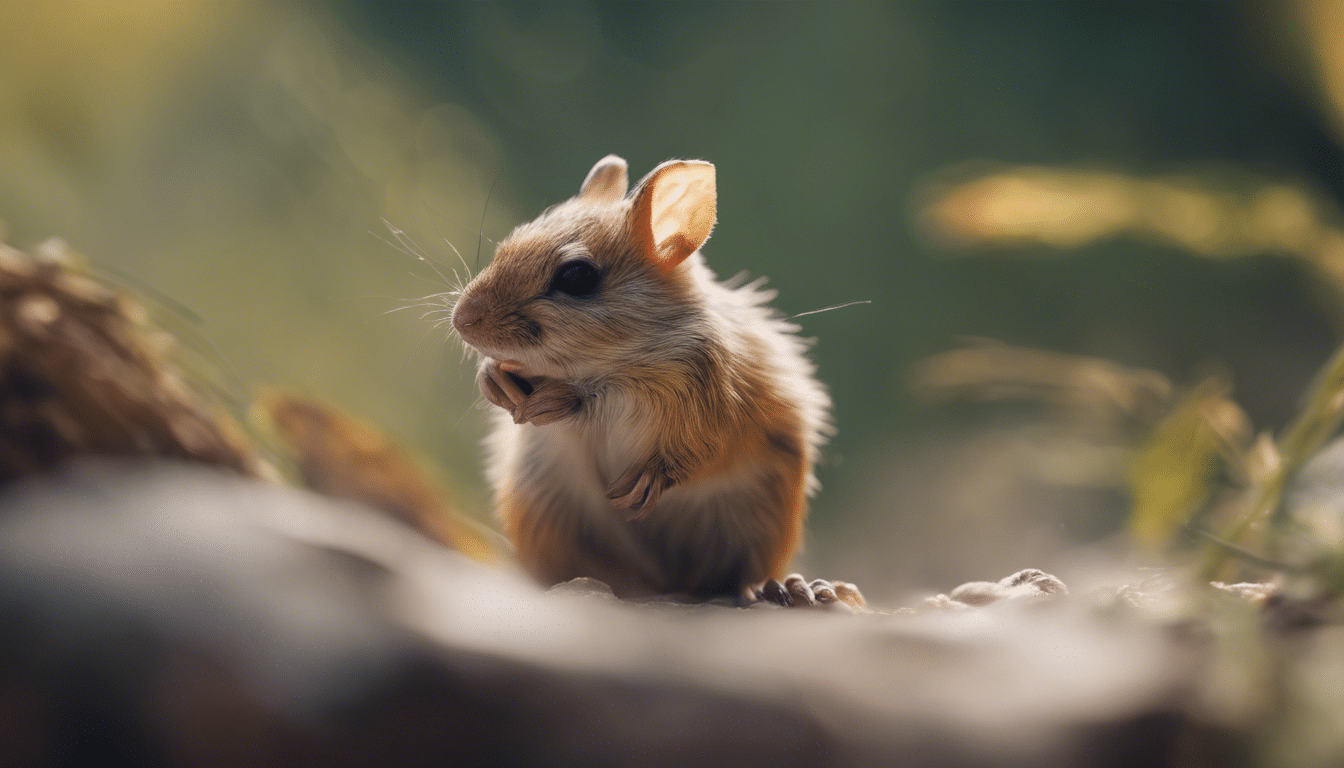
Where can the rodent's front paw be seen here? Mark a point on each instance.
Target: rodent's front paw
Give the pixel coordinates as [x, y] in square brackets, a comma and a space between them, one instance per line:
[539, 401]
[796, 592]
[640, 487]
[551, 400]
[501, 388]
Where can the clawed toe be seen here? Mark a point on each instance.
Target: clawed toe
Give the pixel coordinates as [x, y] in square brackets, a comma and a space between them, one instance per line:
[503, 388]
[796, 592]
[538, 401]
[824, 591]
[849, 595]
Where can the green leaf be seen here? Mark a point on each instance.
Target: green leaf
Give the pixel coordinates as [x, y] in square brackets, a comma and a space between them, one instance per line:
[1172, 475]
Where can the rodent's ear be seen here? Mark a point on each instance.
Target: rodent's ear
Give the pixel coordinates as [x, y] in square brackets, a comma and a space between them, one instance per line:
[674, 210]
[607, 182]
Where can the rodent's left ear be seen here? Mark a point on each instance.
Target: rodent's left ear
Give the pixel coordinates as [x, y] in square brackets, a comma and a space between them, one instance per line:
[606, 182]
[674, 210]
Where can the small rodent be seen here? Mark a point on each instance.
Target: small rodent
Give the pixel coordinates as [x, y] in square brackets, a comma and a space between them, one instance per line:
[658, 428]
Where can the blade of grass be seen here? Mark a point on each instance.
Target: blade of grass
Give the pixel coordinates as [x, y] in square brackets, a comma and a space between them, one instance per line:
[1172, 475]
[1319, 419]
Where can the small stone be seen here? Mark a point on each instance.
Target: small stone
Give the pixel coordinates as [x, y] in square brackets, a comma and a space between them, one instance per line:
[1254, 592]
[1029, 585]
[1034, 585]
[979, 593]
[582, 586]
[942, 602]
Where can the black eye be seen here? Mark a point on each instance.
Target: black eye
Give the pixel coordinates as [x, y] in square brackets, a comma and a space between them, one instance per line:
[577, 278]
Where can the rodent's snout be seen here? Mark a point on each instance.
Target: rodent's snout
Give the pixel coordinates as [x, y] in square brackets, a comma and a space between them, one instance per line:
[469, 311]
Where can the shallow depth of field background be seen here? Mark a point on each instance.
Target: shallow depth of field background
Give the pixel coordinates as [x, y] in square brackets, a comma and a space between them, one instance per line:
[241, 157]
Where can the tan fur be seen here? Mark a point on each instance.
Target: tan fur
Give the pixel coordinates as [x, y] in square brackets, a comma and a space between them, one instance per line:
[664, 382]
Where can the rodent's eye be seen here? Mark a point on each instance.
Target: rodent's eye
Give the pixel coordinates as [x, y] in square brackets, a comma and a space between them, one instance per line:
[578, 278]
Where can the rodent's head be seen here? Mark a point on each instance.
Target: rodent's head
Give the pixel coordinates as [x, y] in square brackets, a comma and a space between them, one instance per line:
[595, 282]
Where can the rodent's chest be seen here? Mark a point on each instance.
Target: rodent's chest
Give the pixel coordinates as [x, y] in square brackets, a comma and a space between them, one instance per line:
[616, 431]
[589, 451]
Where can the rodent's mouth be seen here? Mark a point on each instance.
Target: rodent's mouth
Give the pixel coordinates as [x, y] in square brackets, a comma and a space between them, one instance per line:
[495, 342]
[482, 347]
[472, 338]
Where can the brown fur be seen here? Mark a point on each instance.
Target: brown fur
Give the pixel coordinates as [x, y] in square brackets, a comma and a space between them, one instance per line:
[674, 448]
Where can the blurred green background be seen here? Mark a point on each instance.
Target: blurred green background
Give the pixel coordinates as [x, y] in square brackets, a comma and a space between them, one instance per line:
[241, 157]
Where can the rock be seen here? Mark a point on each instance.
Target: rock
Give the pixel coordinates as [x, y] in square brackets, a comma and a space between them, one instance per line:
[175, 615]
[1028, 586]
[583, 586]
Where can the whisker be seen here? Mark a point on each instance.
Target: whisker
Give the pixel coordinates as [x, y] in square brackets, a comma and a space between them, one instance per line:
[156, 295]
[392, 244]
[419, 249]
[412, 248]
[403, 309]
[399, 298]
[828, 309]
[459, 258]
[444, 280]
[469, 409]
[415, 350]
[189, 329]
[450, 245]
[480, 231]
[454, 289]
[437, 302]
[430, 297]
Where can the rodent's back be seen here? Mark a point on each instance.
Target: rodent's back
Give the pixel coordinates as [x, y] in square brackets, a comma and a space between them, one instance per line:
[780, 354]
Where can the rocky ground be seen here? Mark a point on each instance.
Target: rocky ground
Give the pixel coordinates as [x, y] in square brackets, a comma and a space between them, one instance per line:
[173, 614]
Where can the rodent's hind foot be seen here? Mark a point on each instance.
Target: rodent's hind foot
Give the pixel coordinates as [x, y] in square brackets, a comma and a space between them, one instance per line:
[794, 591]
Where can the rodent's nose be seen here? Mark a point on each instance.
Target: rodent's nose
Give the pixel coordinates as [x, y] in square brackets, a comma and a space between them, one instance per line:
[468, 312]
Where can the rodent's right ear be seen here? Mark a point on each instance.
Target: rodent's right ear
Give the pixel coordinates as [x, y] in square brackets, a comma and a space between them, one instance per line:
[607, 182]
[674, 211]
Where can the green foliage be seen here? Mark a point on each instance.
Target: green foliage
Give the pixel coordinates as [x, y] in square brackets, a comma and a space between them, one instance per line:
[1317, 422]
[1198, 460]
[1174, 473]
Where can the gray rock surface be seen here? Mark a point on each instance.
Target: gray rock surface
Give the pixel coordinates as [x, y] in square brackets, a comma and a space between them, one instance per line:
[169, 614]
